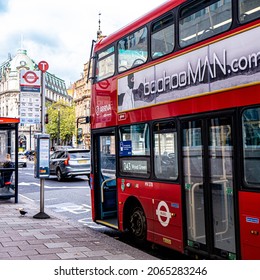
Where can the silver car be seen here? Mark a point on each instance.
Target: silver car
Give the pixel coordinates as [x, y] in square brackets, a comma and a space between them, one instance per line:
[22, 159]
[70, 163]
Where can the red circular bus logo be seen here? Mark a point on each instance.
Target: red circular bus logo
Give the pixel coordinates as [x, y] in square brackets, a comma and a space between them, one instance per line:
[30, 77]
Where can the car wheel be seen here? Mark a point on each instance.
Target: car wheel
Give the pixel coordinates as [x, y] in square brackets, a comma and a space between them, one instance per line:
[25, 165]
[59, 175]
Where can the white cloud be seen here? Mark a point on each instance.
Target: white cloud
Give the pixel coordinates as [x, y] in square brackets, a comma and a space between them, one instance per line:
[61, 32]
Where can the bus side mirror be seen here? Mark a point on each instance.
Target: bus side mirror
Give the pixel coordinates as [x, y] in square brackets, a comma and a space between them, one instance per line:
[88, 119]
[79, 135]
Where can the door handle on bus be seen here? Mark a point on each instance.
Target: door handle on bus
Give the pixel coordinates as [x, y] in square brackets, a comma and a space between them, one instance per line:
[102, 187]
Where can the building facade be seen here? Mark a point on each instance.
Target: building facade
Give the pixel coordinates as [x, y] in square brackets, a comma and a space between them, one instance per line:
[81, 97]
[55, 90]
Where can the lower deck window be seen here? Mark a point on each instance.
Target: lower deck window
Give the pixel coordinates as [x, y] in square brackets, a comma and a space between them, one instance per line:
[134, 150]
[251, 145]
[165, 151]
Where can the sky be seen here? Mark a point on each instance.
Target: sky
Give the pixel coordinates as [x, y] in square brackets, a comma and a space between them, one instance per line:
[61, 31]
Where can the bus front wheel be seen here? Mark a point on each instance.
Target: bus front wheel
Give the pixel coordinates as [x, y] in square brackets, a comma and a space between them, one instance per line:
[137, 225]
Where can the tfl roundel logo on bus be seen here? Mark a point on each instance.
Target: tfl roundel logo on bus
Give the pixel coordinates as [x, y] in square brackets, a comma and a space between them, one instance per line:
[163, 213]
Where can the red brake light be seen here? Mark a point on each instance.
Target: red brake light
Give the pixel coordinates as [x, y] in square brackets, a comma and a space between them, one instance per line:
[66, 162]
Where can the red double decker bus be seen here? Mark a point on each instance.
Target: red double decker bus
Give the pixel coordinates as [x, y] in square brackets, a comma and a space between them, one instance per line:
[175, 125]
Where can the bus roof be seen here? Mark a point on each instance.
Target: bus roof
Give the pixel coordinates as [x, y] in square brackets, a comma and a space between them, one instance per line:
[9, 120]
[165, 7]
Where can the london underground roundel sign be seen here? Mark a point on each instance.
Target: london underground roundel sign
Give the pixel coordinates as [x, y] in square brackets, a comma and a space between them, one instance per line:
[30, 77]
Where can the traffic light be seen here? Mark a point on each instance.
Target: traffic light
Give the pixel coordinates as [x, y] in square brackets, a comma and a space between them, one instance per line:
[46, 118]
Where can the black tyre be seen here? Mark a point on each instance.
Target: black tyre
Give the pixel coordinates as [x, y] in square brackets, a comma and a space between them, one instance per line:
[59, 175]
[137, 225]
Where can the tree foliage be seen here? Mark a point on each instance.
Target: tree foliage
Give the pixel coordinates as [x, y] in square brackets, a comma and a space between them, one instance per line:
[61, 122]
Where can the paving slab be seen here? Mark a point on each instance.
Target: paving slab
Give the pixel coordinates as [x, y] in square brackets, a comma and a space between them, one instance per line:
[27, 238]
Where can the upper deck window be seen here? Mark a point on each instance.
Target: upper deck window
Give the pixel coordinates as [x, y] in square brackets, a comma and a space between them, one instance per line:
[105, 64]
[203, 19]
[132, 50]
[248, 10]
[162, 38]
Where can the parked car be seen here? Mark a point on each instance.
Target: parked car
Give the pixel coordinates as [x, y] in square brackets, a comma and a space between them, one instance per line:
[70, 163]
[58, 148]
[22, 159]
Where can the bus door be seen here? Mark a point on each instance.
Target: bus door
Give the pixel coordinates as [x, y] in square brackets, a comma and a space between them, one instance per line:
[105, 190]
[208, 175]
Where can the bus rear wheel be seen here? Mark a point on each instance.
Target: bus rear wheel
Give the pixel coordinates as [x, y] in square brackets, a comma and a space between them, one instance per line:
[137, 225]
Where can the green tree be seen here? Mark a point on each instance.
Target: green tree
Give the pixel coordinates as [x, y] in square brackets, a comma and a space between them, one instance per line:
[61, 126]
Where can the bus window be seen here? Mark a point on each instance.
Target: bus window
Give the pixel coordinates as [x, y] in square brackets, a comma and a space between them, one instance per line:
[105, 64]
[203, 19]
[138, 137]
[132, 50]
[134, 150]
[165, 151]
[162, 38]
[251, 145]
[248, 10]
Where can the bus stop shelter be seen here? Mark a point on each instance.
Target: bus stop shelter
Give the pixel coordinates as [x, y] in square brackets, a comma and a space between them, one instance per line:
[9, 158]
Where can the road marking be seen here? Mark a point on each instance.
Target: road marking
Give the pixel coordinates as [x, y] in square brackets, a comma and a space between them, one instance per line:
[70, 207]
[50, 199]
[64, 187]
[26, 197]
[88, 222]
[52, 187]
[28, 184]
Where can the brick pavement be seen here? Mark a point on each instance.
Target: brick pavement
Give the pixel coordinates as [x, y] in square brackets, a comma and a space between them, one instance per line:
[27, 238]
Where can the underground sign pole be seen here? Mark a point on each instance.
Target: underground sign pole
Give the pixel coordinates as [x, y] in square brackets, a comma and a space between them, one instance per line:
[42, 141]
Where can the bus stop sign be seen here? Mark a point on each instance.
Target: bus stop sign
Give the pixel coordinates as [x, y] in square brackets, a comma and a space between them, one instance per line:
[43, 66]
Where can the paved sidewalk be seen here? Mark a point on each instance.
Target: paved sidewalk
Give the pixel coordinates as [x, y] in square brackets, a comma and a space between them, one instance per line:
[27, 238]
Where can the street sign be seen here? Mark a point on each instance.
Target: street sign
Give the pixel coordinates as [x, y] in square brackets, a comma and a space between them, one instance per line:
[30, 77]
[30, 81]
[43, 66]
[30, 98]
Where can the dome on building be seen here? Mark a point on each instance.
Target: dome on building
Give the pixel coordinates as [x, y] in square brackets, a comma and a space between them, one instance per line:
[22, 60]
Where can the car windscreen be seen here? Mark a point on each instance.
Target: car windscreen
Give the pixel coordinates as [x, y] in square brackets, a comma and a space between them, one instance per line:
[78, 154]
